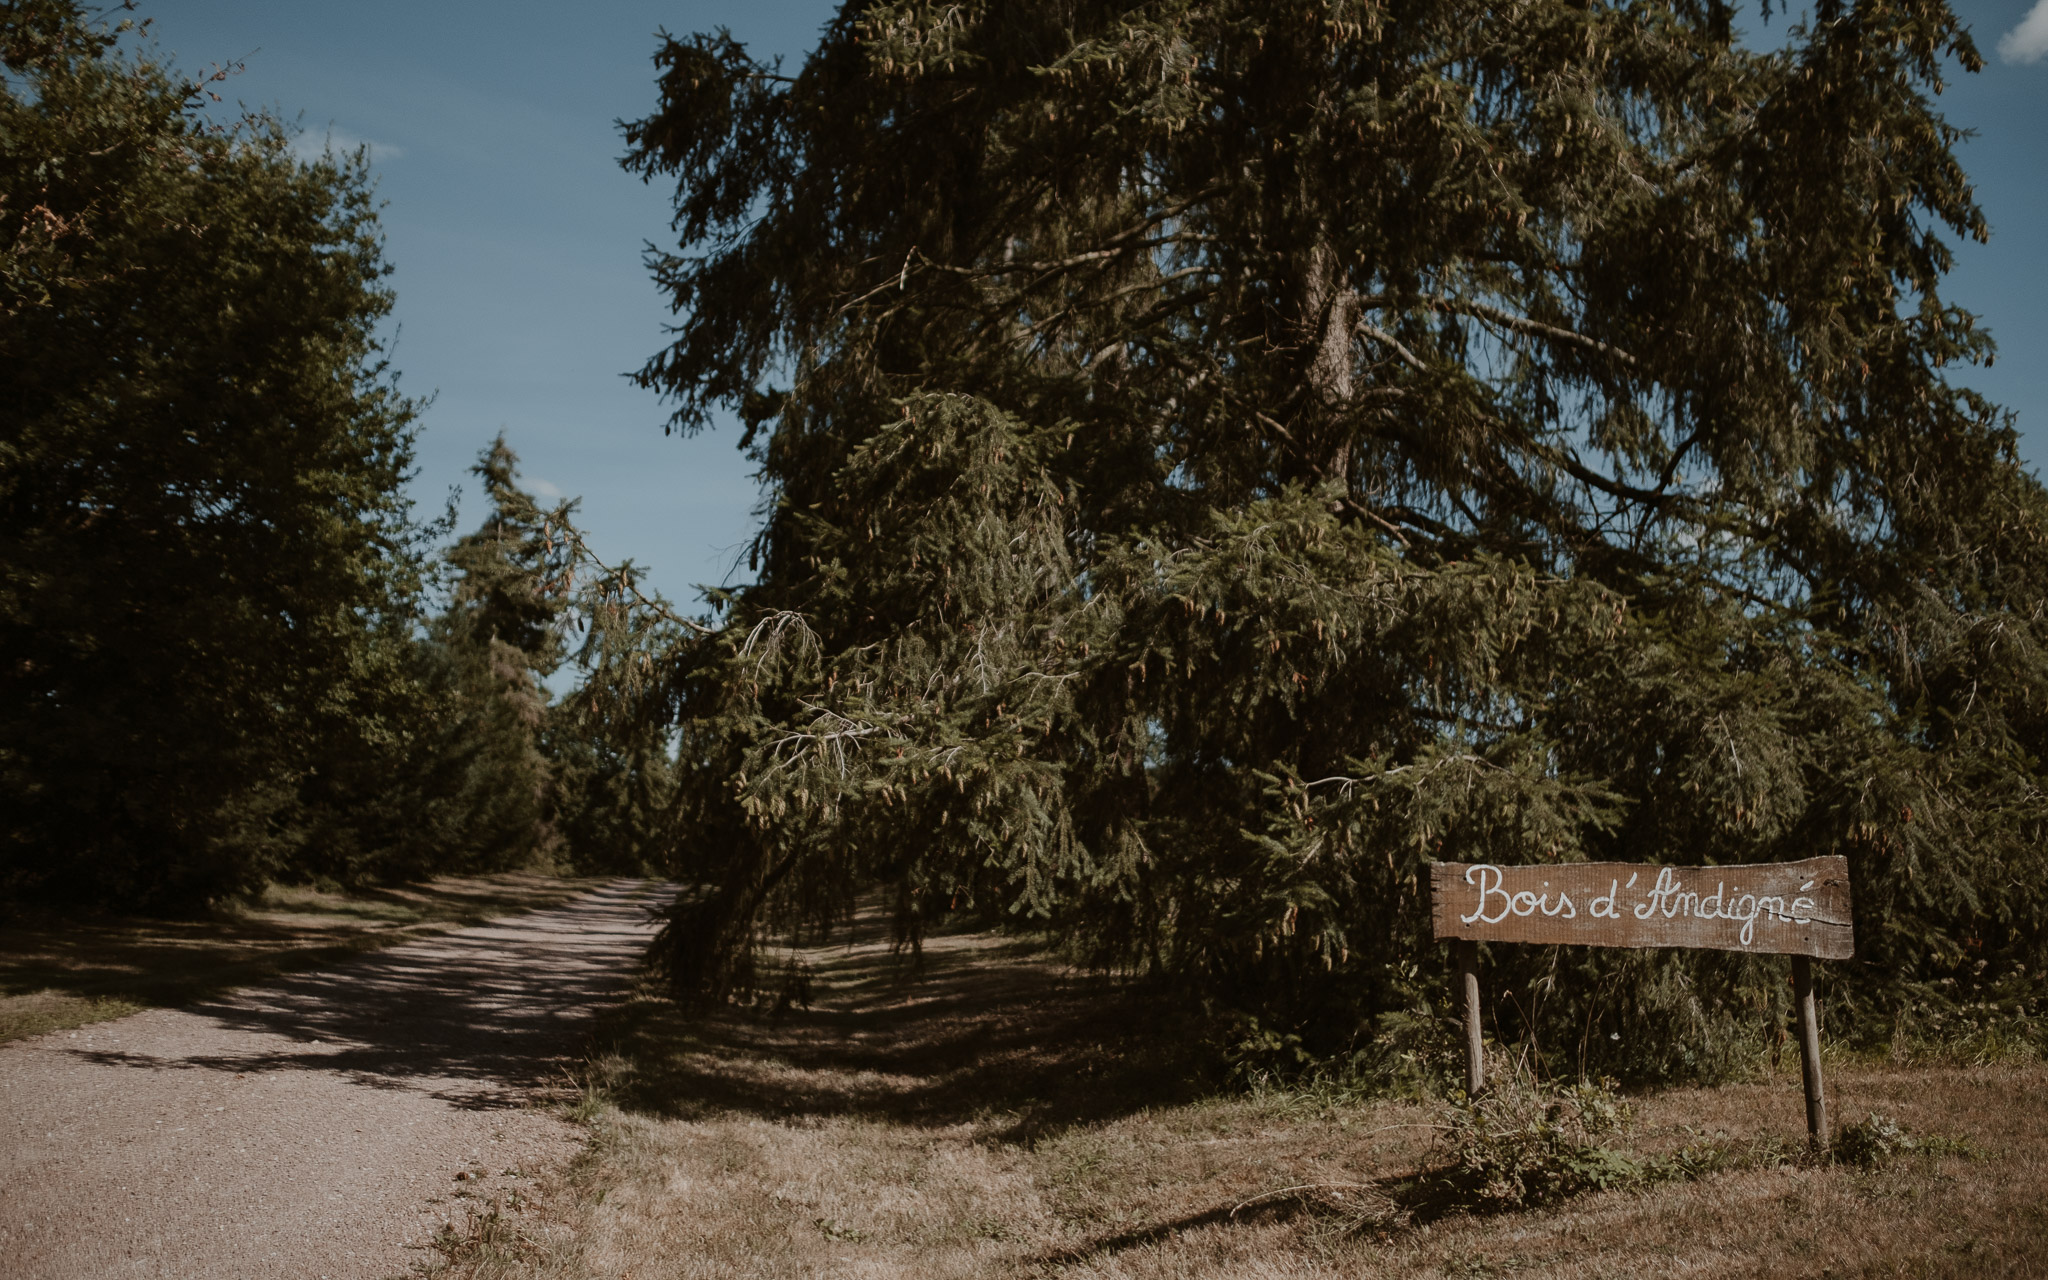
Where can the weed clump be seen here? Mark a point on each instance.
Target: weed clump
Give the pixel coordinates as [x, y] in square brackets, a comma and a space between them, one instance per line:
[1877, 1141]
[1527, 1145]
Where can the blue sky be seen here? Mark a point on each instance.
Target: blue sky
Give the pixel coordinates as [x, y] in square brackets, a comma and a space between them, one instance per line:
[517, 239]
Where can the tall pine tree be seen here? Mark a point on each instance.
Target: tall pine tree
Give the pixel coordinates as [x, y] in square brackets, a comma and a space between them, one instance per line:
[1225, 455]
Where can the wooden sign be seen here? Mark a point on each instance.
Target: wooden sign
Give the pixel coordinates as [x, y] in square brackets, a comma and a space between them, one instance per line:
[1788, 908]
[1795, 908]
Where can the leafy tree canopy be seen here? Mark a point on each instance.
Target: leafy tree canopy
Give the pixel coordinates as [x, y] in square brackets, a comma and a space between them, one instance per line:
[207, 572]
[217, 664]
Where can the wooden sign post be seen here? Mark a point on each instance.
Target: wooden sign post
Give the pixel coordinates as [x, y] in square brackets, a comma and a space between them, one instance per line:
[1799, 909]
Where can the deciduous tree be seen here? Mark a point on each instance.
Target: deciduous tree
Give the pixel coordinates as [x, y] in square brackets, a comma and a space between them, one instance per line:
[207, 573]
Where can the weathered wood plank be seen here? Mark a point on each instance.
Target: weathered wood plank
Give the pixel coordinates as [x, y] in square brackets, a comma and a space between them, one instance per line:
[1793, 908]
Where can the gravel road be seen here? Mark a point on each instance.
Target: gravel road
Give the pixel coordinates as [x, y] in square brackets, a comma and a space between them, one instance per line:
[315, 1127]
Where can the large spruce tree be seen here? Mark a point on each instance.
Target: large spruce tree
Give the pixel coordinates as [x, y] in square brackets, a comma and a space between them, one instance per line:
[1225, 454]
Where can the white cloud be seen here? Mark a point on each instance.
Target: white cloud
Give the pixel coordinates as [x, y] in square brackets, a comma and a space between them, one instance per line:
[548, 490]
[2027, 42]
[310, 146]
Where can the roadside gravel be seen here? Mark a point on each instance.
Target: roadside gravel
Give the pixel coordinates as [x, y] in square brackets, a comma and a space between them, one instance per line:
[326, 1125]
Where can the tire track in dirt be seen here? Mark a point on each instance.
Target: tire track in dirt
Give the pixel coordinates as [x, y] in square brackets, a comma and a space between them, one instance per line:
[313, 1127]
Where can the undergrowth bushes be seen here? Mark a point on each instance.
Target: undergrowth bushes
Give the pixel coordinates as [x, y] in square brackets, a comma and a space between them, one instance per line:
[1526, 1144]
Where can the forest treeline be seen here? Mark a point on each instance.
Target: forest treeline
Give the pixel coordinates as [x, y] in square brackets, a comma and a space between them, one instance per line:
[1219, 457]
[229, 651]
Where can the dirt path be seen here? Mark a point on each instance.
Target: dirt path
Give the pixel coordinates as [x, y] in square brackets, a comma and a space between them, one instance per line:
[315, 1127]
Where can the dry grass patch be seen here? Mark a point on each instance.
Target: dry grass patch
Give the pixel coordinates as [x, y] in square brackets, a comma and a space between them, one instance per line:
[996, 1116]
[59, 971]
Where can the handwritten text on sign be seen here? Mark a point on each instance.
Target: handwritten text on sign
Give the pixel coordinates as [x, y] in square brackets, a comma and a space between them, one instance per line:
[1798, 908]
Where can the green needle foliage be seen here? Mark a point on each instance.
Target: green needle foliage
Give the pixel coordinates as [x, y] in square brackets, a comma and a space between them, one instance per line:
[1222, 456]
[502, 636]
[469, 786]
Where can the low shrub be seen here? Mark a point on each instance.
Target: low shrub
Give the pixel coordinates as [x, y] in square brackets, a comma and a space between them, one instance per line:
[1877, 1140]
[1525, 1144]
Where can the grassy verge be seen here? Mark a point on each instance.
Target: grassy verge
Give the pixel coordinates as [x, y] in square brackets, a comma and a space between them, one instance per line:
[996, 1117]
[59, 972]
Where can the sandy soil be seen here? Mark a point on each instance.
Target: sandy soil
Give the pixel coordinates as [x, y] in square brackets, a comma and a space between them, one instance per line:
[327, 1125]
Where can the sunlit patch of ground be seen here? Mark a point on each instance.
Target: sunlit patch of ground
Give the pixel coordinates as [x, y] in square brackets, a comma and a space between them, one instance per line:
[59, 971]
[995, 1115]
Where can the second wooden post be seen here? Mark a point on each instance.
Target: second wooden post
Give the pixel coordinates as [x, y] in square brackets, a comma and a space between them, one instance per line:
[1809, 1052]
[1468, 980]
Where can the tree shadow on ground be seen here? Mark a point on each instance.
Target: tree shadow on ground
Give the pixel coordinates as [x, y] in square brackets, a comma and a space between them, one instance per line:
[980, 1029]
[153, 961]
[487, 1017]
[1381, 1208]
